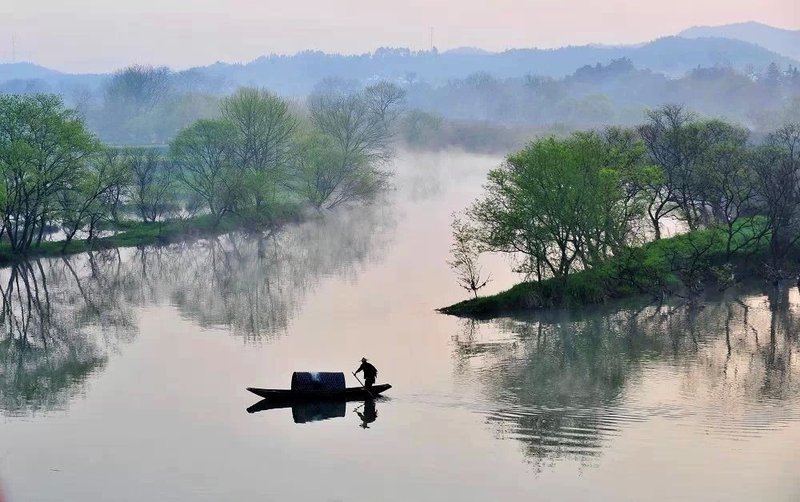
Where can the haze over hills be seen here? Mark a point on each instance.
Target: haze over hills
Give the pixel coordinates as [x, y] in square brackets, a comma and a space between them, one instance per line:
[298, 74]
[785, 42]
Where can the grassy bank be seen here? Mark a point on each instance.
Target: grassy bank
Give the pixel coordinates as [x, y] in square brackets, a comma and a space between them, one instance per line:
[676, 265]
[137, 233]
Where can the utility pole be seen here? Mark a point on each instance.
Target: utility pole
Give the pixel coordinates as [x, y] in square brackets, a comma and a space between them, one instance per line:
[431, 38]
[13, 49]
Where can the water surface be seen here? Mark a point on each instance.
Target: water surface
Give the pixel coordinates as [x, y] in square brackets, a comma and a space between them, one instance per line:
[122, 374]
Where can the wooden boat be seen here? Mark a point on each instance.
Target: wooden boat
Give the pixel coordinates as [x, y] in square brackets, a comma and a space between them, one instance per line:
[293, 396]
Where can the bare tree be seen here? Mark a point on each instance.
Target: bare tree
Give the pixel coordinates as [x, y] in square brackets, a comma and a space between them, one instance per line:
[137, 88]
[465, 251]
[663, 136]
[385, 98]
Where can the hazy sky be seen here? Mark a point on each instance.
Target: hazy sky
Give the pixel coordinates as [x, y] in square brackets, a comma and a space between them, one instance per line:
[100, 35]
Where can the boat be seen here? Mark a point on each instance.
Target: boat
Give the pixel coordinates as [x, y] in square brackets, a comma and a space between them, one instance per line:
[289, 396]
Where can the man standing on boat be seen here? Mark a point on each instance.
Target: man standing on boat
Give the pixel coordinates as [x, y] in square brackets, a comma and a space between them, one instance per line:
[370, 372]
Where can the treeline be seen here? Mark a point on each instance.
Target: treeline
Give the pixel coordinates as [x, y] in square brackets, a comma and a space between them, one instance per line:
[255, 160]
[142, 105]
[571, 204]
[615, 93]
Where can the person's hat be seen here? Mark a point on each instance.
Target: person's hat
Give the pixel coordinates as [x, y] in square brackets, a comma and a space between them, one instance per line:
[363, 359]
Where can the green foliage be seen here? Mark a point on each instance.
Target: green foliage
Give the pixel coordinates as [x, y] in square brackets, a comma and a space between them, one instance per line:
[203, 154]
[44, 149]
[565, 204]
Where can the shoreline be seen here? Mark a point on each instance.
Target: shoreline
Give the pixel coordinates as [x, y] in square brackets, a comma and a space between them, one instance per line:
[663, 268]
[139, 233]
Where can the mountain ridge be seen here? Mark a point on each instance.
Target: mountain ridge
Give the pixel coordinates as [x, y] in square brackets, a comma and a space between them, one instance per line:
[297, 74]
[779, 40]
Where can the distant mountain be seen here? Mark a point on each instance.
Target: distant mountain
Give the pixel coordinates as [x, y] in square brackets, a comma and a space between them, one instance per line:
[9, 71]
[296, 75]
[673, 56]
[785, 42]
[29, 77]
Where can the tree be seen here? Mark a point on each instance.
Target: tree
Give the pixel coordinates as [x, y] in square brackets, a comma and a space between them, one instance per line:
[43, 150]
[385, 98]
[137, 88]
[151, 189]
[665, 135]
[562, 204]
[203, 154]
[728, 185]
[264, 127]
[777, 165]
[360, 141]
[92, 195]
[465, 251]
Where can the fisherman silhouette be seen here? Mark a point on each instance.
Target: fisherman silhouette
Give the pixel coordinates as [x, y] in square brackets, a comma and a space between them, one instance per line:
[369, 415]
[370, 372]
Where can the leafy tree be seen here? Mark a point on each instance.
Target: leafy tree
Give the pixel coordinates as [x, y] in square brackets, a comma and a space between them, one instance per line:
[203, 154]
[563, 204]
[43, 151]
[264, 127]
[92, 198]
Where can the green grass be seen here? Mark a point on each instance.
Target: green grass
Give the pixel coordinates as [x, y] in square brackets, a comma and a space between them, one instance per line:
[661, 267]
[137, 233]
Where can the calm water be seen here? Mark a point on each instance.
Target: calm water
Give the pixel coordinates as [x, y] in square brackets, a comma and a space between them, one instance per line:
[122, 374]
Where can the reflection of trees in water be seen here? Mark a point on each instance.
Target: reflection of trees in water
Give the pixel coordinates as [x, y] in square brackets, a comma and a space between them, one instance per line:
[58, 321]
[62, 317]
[564, 383]
[255, 284]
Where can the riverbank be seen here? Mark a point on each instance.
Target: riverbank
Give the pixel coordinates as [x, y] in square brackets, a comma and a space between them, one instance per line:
[677, 265]
[138, 233]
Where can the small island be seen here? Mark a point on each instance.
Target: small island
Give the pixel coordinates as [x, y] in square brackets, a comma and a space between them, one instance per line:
[584, 215]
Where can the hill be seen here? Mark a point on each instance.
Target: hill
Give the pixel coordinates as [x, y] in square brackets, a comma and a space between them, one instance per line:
[299, 73]
[784, 42]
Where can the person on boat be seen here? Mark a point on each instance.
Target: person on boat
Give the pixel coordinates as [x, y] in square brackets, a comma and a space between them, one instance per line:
[370, 372]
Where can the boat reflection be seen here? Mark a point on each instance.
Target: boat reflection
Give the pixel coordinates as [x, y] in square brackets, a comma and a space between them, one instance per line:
[315, 411]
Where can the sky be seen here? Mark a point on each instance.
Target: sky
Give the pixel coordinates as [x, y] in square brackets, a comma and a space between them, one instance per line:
[103, 35]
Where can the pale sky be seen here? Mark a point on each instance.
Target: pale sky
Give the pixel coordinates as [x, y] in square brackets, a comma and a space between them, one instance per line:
[102, 35]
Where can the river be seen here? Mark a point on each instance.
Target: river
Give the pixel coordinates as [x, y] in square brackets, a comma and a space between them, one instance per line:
[123, 374]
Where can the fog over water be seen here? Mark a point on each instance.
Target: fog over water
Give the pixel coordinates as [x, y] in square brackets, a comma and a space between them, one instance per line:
[123, 374]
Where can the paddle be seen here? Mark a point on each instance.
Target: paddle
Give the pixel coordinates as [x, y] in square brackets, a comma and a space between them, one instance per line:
[364, 386]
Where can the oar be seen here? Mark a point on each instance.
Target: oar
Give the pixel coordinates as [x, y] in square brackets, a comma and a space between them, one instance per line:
[364, 386]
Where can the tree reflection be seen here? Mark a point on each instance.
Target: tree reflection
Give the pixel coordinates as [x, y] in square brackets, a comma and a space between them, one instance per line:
[255, 284]
[58, 321]
[61, 318]
[565, 383]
